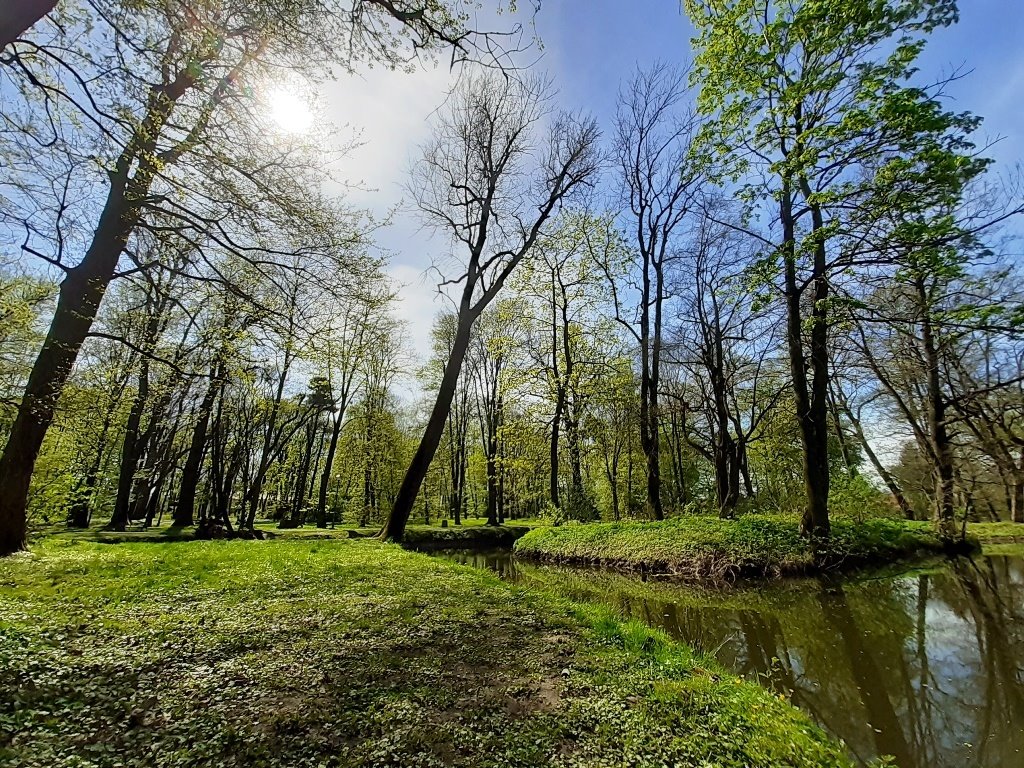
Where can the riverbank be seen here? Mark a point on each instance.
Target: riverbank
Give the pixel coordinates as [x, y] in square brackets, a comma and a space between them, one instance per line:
[713, 549]
[997, 533]
[474, 535]
[346, 653]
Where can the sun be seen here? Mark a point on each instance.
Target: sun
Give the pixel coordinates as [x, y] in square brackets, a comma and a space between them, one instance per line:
[289, 110]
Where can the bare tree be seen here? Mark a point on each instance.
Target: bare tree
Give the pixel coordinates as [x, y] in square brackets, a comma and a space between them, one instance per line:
[660, 182]
[499, 166]
[726, 346]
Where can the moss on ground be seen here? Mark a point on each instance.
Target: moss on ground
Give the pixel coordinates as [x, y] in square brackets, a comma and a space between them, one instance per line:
[997, 533]
[752, 546]
[345, 653]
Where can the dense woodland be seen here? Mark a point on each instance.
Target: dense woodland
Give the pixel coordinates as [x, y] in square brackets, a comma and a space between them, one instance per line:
[784, 278]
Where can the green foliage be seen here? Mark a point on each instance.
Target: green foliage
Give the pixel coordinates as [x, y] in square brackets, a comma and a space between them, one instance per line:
[855, 498]
[579, 504]
[345, 653]
[706, 547]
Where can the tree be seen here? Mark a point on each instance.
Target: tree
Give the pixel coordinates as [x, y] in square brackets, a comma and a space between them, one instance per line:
[346, 345]
[491, 179]
[724, 346]
[654, 129]
[564, 289]
[812, 100]
[154, 101]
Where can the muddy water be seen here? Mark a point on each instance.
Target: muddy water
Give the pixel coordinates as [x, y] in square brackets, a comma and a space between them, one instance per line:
[927, 666]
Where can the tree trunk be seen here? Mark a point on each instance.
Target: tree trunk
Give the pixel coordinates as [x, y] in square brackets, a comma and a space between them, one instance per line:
[811, 409]
[492, 469]
[887, 478]
[941, 449]
[130, 451]
[81, 508]
[1017, 507]
[556, 425]
[79, 298]
[299, 497]
[325, 477]
[613, 482]
[394, 528]
[184, 511]
[18, 15]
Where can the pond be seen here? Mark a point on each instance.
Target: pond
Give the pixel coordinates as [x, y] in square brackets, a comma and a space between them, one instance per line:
[927, 666]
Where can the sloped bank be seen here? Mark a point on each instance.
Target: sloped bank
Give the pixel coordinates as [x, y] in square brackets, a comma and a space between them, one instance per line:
[752, 546]
[424, 537]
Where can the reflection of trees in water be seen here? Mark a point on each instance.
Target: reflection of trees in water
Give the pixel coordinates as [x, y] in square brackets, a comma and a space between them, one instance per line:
[867, 677]
[920, 698]
[918, 667]
[986, 595]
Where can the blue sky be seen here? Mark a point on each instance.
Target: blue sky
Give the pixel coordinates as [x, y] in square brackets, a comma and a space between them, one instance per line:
[589, 46]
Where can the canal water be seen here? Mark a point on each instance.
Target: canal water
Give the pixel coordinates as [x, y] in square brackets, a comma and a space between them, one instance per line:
[926, 665]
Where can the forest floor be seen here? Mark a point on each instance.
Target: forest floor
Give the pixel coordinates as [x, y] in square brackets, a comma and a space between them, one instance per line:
[345, 653]
[704, 547]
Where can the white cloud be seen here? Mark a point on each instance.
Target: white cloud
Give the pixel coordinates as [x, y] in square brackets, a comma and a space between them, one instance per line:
[418, 302]
[390, 111]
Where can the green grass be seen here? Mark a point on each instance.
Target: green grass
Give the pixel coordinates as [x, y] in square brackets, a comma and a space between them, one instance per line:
[997, 533]
[705, 547]
[472, 534]
[345, 653]
[1004, 549]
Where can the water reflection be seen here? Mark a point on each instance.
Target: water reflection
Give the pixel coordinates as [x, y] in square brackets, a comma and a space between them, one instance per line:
[927, 667]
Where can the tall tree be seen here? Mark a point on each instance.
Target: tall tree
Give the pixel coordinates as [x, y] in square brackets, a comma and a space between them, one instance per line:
[813, 101]
[491, 178]
[654, 130]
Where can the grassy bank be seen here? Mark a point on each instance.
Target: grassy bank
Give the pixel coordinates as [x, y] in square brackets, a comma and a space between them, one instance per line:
[471, 536]
[997, 533]
[345, 653]
[752, 546]
[421, 536]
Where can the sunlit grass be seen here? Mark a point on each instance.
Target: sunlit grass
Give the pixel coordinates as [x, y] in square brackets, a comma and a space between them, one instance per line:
[345, 653]
[707, 547]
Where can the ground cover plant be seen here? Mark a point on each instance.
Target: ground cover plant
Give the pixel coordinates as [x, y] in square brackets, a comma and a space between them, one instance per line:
[312, 653]
[706, 547]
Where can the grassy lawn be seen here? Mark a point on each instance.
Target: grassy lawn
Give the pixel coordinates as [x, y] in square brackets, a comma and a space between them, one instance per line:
[705, 547]
[349, 652]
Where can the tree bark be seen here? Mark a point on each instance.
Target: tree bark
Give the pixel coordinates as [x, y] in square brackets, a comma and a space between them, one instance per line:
[78, 301]
[16, 16]
[184, 510]
[394, 528]
[935, 408]
[325, 477]
[811, 406]
[129, 451]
